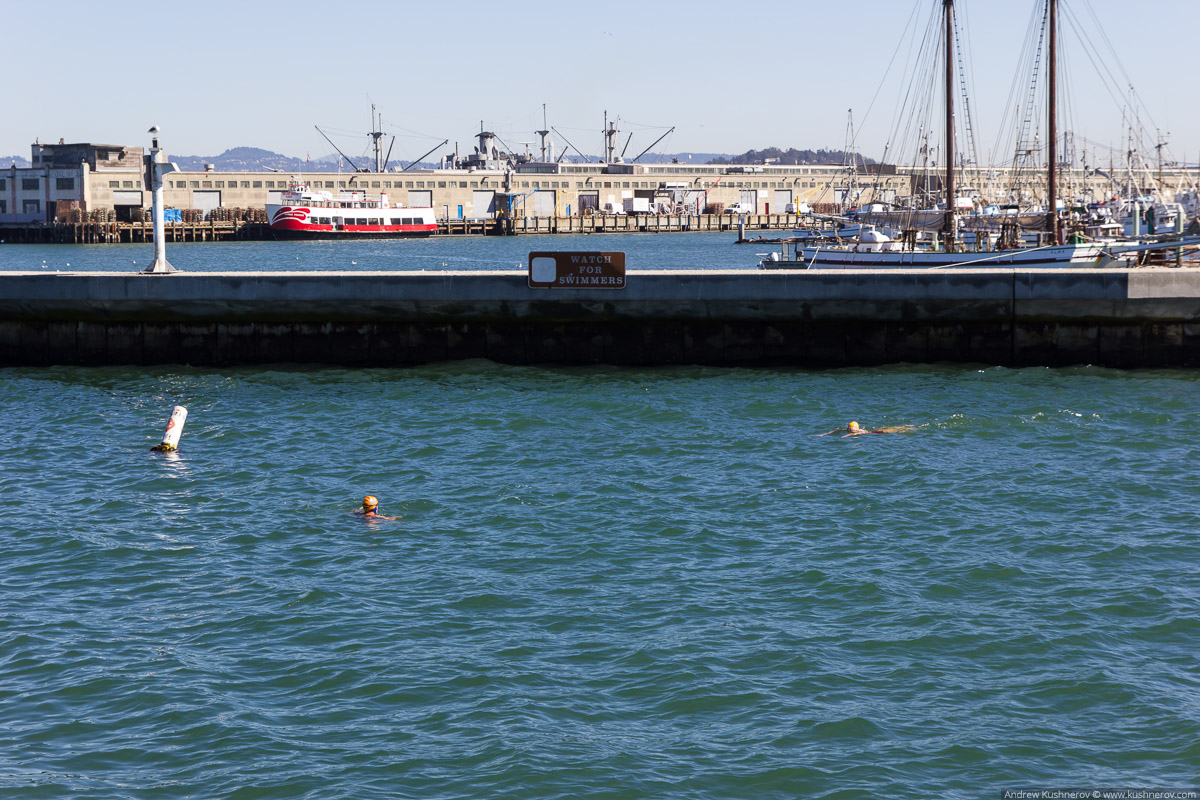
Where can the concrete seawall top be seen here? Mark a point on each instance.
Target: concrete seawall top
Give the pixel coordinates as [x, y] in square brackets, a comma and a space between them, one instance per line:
[1147, 295]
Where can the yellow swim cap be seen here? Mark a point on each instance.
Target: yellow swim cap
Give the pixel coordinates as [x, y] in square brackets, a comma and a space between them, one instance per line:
[370, 501]
[852, 426]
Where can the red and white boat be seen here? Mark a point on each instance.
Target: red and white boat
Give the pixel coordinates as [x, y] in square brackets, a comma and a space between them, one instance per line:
[308, 214]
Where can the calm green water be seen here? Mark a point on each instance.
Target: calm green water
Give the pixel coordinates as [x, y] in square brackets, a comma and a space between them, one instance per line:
[606, 583]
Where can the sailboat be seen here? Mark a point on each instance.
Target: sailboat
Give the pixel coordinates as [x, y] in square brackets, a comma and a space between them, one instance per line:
[875, 249]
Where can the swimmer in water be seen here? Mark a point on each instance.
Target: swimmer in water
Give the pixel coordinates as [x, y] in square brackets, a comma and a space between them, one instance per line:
[370, 509]
[854, 429]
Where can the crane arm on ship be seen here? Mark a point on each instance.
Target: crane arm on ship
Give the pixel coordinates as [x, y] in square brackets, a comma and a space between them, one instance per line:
[573, 147]
[418, 160]
[388, 157]
[656, 141]
[335, 147]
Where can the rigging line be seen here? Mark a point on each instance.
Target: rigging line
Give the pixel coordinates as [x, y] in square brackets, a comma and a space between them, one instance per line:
[915, 91]
[1112, 51]
[1025, 150]
[900, 43]
[970, 131]
[417, 133]
[1097, 60]
[898, 109]
[970, 77]
[345, 132]
[1101, 67]
[652, 127]
[1116, 58]
[1004, 142]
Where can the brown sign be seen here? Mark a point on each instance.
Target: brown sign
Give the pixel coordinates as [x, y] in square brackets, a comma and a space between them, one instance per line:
[577, 270]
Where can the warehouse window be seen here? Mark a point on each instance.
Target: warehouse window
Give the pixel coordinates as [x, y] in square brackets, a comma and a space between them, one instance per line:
[245, 184]
[114, 184]
[206, 184]
[374, 184]
[64, 183]
[127, 184]
[194, 184]
[258, 185]
[29, 183]
[3, 183]
[220, 184]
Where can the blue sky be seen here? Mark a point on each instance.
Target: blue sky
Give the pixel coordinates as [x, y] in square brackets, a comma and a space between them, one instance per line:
[730, 76]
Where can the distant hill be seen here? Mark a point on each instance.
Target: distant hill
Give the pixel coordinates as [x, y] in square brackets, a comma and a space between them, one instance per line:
[791, 156]
[680, 158]
[256, 159]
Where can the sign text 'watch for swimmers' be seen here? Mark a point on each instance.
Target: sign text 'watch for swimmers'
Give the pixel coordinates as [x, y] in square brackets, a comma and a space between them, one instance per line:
[577, 270]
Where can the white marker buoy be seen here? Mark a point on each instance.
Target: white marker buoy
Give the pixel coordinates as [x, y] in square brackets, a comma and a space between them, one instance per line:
[174, 430]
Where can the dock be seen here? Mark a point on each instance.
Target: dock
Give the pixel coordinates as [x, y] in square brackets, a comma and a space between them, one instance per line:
[244, 230]
[1147, 317]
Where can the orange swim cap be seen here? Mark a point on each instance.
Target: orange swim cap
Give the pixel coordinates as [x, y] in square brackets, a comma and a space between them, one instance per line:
[370, 501]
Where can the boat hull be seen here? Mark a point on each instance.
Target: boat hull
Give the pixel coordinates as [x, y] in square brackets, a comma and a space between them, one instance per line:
[312, 233]
[362, 221]
[1069, 255]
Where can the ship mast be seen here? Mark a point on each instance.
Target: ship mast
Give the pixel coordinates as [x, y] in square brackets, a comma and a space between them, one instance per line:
[948, 7]
[376, 134]
[1051, 116]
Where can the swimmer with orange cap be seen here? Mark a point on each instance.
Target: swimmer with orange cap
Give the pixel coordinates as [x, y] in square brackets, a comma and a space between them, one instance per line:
[370, 509]
[854, 429]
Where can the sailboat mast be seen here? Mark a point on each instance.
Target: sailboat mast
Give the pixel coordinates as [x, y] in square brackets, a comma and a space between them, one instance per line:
[948, 7]
[1052, 117]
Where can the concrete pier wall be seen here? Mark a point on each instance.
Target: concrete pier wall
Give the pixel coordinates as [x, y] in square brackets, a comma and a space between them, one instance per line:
[1126, 318]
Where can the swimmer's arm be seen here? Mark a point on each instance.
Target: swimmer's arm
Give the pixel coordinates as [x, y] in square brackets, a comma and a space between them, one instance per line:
[835, 430]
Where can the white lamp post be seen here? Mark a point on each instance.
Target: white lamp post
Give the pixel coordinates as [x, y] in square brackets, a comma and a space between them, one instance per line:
[157, 167]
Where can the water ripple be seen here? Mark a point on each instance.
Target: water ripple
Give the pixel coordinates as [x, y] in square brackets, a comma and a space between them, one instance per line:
[612, 583]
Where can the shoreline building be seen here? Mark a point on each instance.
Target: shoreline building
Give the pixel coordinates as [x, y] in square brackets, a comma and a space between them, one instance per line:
[107, 178]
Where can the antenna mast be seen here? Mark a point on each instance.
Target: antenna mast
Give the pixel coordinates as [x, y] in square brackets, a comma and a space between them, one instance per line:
[610, 137]
[544, 132]
[376, 135]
